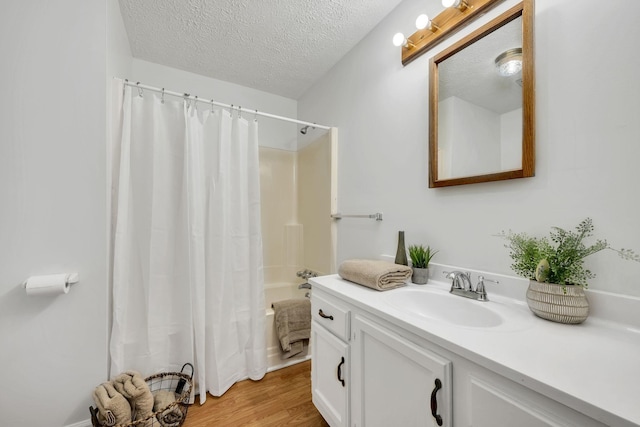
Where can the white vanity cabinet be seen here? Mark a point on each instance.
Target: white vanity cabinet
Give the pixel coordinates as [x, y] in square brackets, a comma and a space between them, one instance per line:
[393, 374]
[396, 382]
[372, 366]
[330, 362]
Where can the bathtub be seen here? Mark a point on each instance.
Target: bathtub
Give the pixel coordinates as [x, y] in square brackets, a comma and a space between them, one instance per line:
[277, 292]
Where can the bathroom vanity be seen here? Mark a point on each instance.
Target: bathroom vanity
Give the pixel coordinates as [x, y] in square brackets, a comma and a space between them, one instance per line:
[419, 356]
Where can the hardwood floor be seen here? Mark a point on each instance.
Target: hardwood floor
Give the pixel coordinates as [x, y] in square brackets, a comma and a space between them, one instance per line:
[281, 398]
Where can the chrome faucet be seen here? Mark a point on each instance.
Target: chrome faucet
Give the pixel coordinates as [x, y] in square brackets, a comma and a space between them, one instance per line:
[461, 285]
[460, 280]
[306, 274]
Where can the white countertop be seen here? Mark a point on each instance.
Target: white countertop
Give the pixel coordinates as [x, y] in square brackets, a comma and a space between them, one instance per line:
[593, 367]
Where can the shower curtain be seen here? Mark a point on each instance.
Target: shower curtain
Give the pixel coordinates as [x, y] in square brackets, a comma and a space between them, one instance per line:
[187, 246]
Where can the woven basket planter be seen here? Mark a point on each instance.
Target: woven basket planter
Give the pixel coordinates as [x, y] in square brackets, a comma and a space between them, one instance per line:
[562, 304]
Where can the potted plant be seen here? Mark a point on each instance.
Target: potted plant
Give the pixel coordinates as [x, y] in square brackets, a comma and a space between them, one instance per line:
[420, 258]
[555, 269]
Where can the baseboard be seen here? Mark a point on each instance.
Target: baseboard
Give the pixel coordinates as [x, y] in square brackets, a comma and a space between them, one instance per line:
[288, 363]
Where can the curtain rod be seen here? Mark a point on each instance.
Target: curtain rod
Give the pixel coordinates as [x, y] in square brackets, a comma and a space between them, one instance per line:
[219, 104]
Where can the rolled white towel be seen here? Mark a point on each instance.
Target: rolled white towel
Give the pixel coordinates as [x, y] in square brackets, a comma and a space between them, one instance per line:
[171, 416]
[113, 407]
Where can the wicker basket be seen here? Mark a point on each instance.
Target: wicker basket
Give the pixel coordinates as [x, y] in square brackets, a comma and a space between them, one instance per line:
[562, 304]
[162, 381]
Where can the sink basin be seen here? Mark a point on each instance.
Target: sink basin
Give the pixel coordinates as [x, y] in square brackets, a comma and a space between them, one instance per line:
[445, 307]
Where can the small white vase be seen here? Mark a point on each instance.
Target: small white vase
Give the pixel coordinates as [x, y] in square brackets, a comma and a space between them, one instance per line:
[562, 304]
[420, 276]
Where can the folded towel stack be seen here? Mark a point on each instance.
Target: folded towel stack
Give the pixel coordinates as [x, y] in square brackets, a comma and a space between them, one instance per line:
[378, 275]
[165, 402]
[293, 325]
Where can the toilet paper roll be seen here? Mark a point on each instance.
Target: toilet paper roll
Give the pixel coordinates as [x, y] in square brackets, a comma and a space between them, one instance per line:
[52, 284]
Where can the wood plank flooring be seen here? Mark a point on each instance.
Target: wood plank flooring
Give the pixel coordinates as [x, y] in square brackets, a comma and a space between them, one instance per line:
[281, 398]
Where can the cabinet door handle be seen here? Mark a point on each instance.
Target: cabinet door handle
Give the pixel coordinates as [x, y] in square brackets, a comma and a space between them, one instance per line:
[434, 402]
[339, 373]
[321, 313]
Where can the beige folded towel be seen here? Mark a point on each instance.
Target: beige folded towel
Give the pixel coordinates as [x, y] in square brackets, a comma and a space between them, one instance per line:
[165, 401]
[293, 324]
[113, 407]
[132, 386]
[378, 275]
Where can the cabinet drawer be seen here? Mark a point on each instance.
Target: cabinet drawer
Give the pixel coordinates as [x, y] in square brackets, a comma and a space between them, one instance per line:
[329, 313]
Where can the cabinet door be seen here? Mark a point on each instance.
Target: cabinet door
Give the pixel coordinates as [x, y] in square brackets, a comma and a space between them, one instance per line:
[500, 403]
[329, 376]
[394, 380]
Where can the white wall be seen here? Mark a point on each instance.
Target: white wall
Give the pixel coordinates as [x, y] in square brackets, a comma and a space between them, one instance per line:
[53, 207]
[119, 58]
[273, 133]
[588, 143]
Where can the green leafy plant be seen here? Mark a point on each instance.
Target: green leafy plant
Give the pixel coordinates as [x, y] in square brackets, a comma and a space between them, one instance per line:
[421, 256]
[560, 258]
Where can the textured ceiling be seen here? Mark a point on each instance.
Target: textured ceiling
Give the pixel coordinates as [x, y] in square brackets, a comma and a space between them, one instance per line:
[278, 46]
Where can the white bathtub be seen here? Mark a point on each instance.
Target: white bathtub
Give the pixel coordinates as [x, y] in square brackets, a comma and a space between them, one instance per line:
[278, 292]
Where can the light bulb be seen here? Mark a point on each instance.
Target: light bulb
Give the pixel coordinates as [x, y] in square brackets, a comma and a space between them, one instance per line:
[459, 4]
[399, 40]
[423, 22]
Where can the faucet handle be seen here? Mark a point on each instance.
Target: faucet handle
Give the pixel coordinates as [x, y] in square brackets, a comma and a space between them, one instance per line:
[483, 279]
[480, 289]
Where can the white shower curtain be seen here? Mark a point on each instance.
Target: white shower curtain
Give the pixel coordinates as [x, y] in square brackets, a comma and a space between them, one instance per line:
[187, 253]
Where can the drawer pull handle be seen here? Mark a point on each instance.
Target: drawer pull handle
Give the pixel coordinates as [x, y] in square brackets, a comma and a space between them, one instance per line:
[434, 402]
[339, 373]
[321, 313]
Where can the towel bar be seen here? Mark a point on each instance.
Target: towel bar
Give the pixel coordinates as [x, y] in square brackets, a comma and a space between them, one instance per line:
[376, 216]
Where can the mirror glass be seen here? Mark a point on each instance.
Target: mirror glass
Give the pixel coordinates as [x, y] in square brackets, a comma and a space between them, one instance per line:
[481, 105]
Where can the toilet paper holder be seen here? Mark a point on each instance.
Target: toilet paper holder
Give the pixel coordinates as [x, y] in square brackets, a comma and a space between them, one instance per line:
[71, 279]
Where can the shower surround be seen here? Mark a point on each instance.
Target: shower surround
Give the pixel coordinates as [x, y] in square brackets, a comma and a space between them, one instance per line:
[297, 232]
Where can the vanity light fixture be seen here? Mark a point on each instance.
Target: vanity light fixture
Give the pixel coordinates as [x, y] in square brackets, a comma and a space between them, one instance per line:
[458, 4]
[400, 40]
[457, 14]
[423, 22]
[509, 62]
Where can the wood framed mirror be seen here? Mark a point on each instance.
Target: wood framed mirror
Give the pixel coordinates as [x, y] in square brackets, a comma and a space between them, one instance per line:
[482, 104]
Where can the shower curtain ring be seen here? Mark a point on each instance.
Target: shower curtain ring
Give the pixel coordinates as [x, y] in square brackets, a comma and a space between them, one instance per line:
[255, 117]
[139, 90]
[162, 96]
[239, 112]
